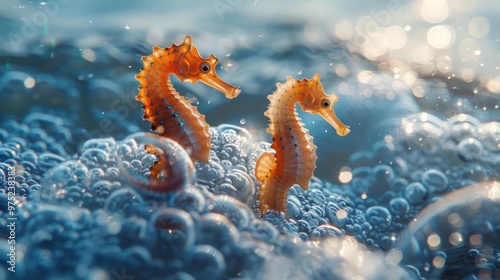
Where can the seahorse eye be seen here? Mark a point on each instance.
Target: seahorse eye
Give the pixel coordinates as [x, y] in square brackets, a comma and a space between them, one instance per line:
[204, 67]
[325, 103]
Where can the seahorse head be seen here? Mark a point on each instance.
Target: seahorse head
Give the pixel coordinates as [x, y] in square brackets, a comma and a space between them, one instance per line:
[314, 100]
[193, 68]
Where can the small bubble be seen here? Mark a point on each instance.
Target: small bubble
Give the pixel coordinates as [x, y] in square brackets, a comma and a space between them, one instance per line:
[477, 52]
[127, 26]
[243, 121]
[91, 22]
[43, 3]
[300, 72]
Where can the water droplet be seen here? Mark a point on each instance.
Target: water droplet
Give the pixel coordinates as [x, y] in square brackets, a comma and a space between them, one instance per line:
[470, 149]
[399, 206]
[415, 193]
[243, 121]
[435, 180]
[378, 217]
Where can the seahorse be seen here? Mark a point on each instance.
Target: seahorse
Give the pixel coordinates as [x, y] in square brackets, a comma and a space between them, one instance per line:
[171, 115]
[295, 157]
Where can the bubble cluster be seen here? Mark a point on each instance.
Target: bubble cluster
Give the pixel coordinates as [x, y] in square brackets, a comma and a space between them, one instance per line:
[31, 147]
[101, 202]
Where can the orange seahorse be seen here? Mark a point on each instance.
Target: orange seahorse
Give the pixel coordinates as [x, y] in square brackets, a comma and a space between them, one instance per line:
[171, 115]
[295, 157]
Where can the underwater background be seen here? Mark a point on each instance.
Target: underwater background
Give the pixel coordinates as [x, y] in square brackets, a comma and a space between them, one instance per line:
[412, 192]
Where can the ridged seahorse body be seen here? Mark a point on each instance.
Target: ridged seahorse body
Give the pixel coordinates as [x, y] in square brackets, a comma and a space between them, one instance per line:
[171, 115]
[295, 157]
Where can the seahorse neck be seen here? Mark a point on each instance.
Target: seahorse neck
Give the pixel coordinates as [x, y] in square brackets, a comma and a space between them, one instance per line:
[170, 114]
[295, 150]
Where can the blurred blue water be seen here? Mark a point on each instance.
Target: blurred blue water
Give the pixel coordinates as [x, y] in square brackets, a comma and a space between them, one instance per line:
[418, 84]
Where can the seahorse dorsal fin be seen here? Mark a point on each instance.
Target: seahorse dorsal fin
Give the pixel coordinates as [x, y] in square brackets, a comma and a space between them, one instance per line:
[264, 166]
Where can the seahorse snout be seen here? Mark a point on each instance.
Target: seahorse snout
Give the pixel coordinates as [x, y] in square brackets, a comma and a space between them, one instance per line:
[343, 131]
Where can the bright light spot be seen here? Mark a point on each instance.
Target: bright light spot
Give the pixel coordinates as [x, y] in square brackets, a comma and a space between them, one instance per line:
[438, 261]
[455, 239]
[29, 82]
[407, 27]
[468, 74]
[439, 36]
[424, 117]
[349, 246]
[230, 65]
[476, 239]
[127, 27]
[364, 76]
[410, 77]
[395, 37]
[341, 70]
[345, 175]
[114, 227]
[433, 240]
[388, 138]
[418, 91]
[434, 11]
[160, 129]
[493, 85]
[364, 196]
[479, 27]
[494, 192]
[394, 257]
[407, 126]
[243, 121]
[341, 214]
[374, 46]
[343, 30]
[88, 55]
